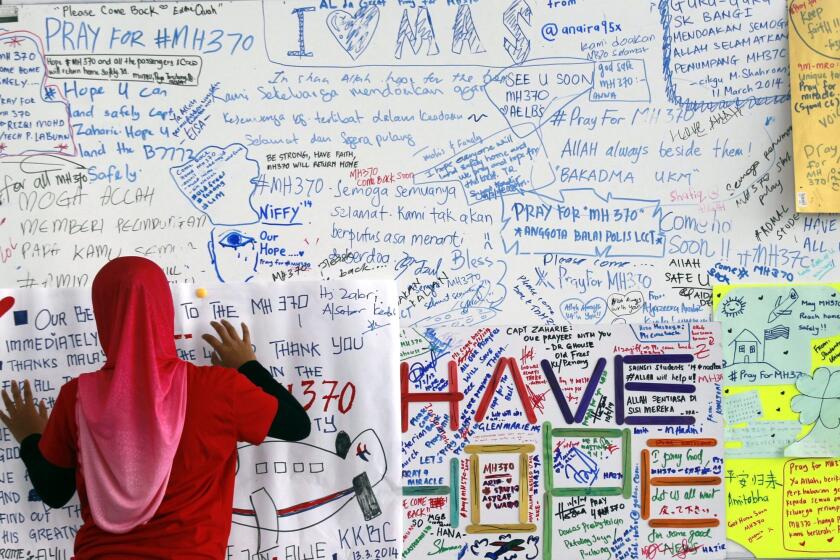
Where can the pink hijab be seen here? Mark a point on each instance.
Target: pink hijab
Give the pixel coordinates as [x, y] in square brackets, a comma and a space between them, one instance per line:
[131, 412]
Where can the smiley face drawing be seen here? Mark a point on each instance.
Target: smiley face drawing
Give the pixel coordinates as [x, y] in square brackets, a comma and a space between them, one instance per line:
[304, 485]
[733, 306]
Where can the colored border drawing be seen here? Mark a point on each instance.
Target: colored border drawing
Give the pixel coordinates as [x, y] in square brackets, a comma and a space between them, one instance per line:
[552, 491]
[665, 388]
[648, 482]
[452, 491]
[588, 490]
[804, 526]
[476, 526]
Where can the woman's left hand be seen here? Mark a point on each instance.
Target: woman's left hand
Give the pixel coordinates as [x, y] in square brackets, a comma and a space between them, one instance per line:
[24, 416]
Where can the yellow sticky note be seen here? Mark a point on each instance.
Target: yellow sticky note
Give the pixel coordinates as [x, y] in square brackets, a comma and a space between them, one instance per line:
[783, 508]
[814, 26]
[754, 496]
[825, 351]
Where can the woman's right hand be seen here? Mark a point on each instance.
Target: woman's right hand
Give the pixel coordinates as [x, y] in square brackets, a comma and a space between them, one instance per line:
[229, 350]
[24, 416]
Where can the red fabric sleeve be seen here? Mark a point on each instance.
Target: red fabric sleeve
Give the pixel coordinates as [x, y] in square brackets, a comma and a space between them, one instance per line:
[58, 442]
[253, 409]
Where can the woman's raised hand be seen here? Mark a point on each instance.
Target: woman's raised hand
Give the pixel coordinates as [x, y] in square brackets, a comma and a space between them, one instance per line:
[23, 416]
[229, 350]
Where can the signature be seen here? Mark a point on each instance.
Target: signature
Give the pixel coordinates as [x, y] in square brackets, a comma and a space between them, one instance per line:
[439, 548]
[680, 551]
[579, 466]
[421, 266]
[437, 349]
[373, 325]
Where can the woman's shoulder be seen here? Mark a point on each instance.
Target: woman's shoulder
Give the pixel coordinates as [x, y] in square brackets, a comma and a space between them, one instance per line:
[71, 384]
[208, 375]
[70, 389]
[209, 384]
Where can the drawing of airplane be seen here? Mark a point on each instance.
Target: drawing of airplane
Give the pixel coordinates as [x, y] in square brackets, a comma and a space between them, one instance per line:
[514, 545]
[783, 305]
[303, 485]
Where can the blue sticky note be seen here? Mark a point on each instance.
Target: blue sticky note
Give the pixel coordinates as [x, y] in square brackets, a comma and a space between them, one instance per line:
[21, 317]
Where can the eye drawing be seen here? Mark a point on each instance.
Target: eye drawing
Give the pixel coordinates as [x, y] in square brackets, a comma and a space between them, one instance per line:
[235, 240]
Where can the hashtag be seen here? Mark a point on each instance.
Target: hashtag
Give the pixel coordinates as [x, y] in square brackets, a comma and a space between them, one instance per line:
[28, 282]
[556, 119]
[162, 38]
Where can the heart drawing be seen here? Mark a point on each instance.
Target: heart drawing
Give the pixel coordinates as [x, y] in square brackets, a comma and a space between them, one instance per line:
[354, 32]
[626, 304]
[576, 311]
[5, 304]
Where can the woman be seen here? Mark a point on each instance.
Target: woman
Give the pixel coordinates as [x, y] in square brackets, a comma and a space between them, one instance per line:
[149, 441]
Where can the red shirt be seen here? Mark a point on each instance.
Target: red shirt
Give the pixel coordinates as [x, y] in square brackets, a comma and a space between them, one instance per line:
[194, 519]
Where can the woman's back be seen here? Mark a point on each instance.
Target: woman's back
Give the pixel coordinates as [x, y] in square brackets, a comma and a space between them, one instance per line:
[149, 441]
[194, 518]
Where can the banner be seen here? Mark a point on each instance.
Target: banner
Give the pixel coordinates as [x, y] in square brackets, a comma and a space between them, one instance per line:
[333, 346]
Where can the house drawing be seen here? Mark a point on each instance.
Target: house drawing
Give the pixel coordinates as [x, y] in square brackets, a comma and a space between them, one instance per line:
[747, 348]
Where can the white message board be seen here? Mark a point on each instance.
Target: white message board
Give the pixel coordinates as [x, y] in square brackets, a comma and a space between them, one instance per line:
[505, 162]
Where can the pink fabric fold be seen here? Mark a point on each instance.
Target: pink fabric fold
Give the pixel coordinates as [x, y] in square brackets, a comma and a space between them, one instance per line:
[131, 413]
